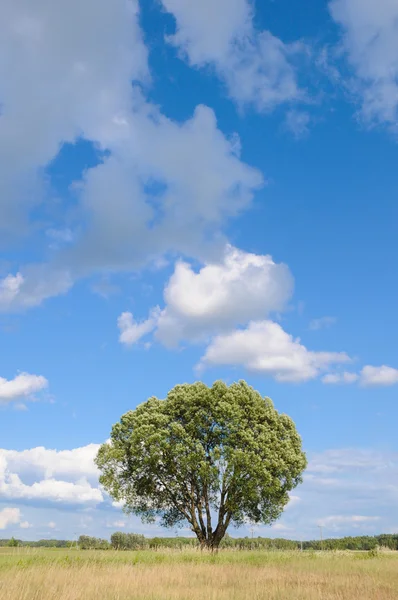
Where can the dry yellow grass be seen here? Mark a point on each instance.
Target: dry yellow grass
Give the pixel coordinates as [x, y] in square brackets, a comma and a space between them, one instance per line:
[191, 576]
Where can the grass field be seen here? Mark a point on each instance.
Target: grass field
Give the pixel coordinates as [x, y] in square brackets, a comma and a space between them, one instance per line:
[42, 574]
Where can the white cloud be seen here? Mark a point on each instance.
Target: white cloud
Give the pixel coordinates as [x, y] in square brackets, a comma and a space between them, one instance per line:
[76, 467]
[161, 186]
[297, 122]
[322, 323]
[264, 347]
[240, 287]
[339, 521]
[351, 459]
[339, 378]
[10, 287]
[30, 288]
[48, 463]
[379, 376]
[187, 206]
[254, 65]
[78, 82]
[347, 482]
[9, 516]
[132, 331]
[50, 490]
[369, 376]
[126, 225]
[25, 525]
[370, 39]
[22, 386]
[346, 489]
[293, 501]
[116, 524]
[207, 30]
[51, 525]
[281, 527]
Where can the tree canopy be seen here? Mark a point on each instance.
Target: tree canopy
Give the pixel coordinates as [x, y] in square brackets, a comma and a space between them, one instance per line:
[204, 456]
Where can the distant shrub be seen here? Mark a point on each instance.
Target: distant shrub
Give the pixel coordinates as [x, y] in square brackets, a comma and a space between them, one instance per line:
[128, 541]
[13, 543]
[92, 543]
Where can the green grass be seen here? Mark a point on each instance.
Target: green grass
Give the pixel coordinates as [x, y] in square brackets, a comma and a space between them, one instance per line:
[27, 557]
[71, 574]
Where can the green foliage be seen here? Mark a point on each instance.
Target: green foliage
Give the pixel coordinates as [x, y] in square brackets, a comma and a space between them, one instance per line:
[362, 543]
[259, 543]
[128, 541]
[177, 543]
[13, 543]
[92, 543]
[39, 543]
[372, 544]
[201, 452]
[49, 544]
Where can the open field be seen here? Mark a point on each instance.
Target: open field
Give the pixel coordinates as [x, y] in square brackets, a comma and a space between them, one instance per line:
[190, 575]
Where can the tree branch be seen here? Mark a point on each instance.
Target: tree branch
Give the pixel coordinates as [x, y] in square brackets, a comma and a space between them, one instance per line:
[208, 514]
[175, 502]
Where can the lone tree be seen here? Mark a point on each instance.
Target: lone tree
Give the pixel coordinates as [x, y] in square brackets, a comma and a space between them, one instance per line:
[206, 456]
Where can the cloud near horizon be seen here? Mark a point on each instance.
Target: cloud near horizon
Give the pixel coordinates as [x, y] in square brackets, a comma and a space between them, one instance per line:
[341, 491]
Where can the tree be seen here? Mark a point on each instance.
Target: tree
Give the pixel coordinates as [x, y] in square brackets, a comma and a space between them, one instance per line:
[128, 541]
[221, 454]
[86, 542]
[13, 543]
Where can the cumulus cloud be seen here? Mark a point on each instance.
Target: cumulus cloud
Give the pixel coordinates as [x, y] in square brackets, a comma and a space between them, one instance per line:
[50, 491]
[339, 521]
[116, 524]
[75, 89]
[23, 385]
[161, 200]
[30, 287]
[75, 467]
[206, 32]
[351, 483]
[240, 287]
[293, 501]
[131, 331]
[369, 376]
[346, 489]
[148, 194]
[379, 376]
[9, 516]
[281, 527]
[264, 347]
[370, 40]
[340, 378]
[146, 199]
[255, 65]
[48, 463]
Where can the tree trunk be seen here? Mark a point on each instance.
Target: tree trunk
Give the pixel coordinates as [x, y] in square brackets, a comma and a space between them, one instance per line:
[209, 539]
[211, 543]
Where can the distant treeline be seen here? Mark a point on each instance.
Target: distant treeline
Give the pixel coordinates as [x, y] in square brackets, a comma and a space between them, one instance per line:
[38, 544]
[135, 541]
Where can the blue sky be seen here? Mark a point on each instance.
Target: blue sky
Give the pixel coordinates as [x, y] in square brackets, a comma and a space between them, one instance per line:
[198, 190]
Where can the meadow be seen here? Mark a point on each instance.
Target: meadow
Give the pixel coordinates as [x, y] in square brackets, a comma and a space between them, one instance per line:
[53, 574]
